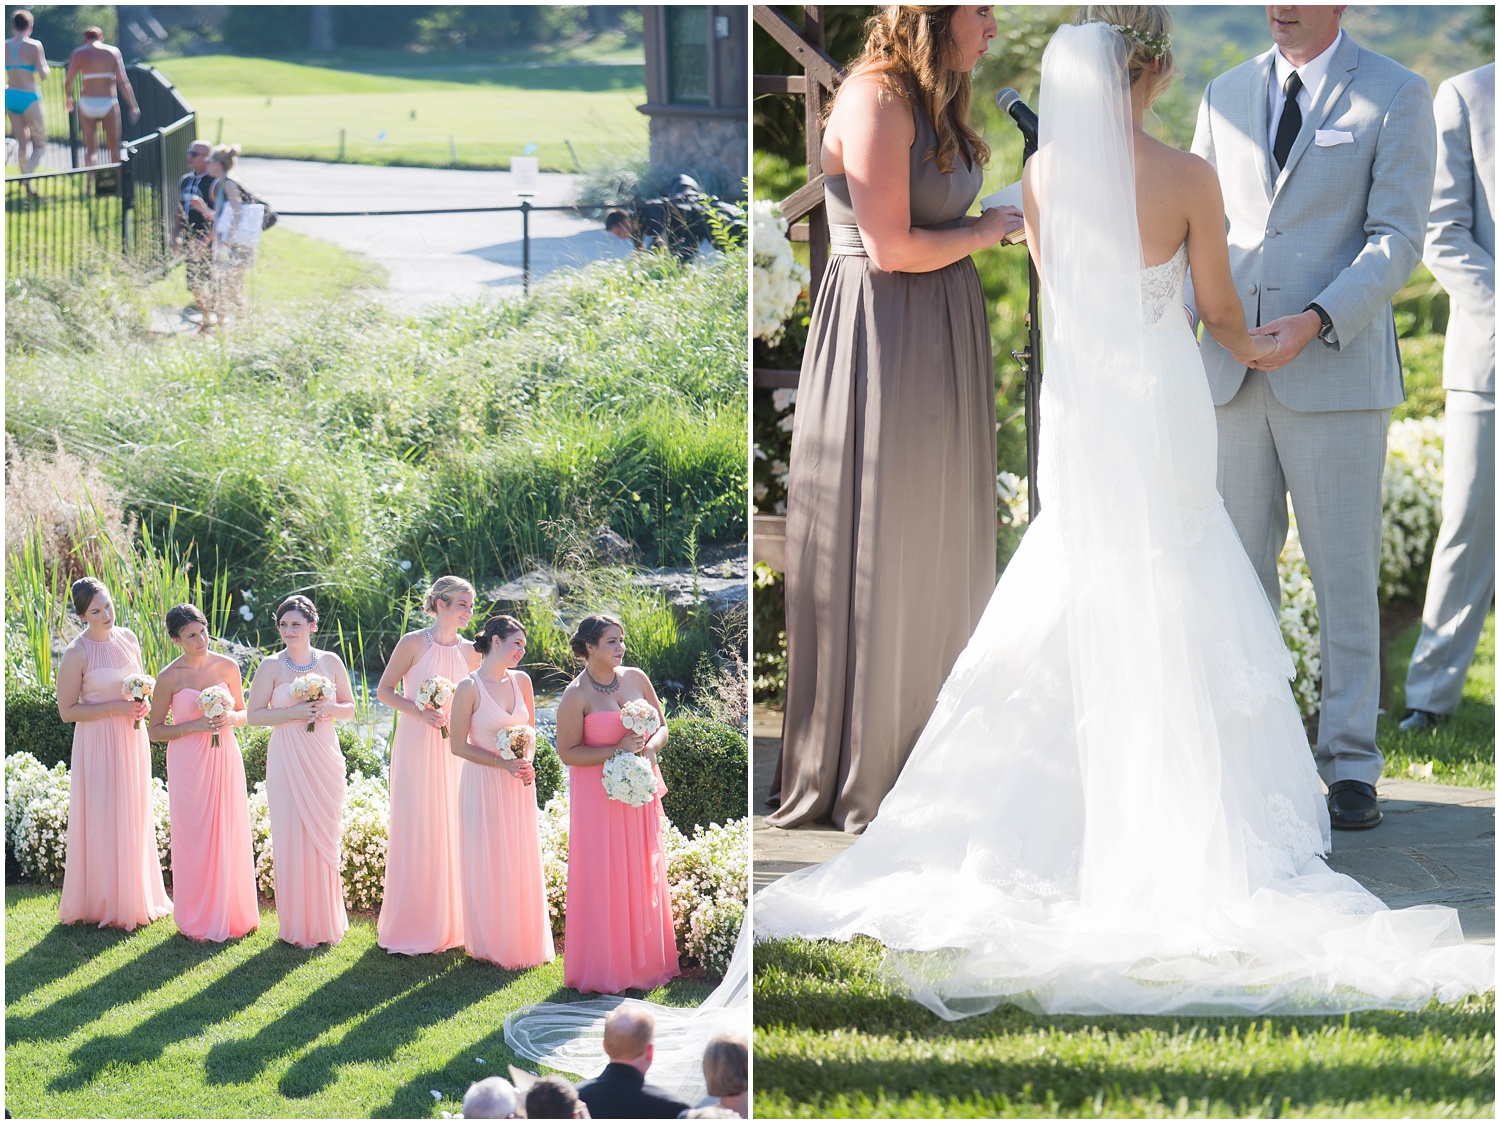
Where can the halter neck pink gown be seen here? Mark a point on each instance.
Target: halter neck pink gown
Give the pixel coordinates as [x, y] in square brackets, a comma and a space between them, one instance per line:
[112, 873]
[618, 930]
[505, 895]
[305, 792]
[422, 907]
[213, 867]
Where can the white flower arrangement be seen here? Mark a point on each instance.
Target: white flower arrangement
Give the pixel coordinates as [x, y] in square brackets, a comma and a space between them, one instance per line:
[215, 702]
[554, 829]
[434, 693]
[713, 931]
[516, 743]
[25, 776]
[640, 717]
[709, 876]
[41, 834]
[161, 815]
[137, 687]
[629, 778]
[260, 840]
[777, 278]
[312, 687]
[364, 835]
[1013, 494]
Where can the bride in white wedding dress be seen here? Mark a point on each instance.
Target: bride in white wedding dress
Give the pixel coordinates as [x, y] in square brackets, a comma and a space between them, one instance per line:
[1113, 808]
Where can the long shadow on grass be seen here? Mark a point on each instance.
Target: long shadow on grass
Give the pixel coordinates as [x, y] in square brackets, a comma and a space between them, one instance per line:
[375, 978]
[230, 994]
[413, 1099]
[63, 949]
[157, 966]
[378, 1037]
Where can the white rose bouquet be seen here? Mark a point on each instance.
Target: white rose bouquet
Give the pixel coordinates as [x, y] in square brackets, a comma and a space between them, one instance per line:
[434, 694]
[640, 717]
[215, 702]
[629, 778]
[312, 687]
[516, 743]
[137, 687]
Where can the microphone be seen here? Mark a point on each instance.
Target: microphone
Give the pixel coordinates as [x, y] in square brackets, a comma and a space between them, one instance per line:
[1008, 101]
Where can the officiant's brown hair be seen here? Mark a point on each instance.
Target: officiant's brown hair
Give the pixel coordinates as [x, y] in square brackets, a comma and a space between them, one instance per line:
[910, 48]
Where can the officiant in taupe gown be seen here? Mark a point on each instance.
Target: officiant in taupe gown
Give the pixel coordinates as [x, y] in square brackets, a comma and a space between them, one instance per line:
[890, 540]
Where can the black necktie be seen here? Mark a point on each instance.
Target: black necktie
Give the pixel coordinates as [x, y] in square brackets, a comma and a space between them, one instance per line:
[1291, 121]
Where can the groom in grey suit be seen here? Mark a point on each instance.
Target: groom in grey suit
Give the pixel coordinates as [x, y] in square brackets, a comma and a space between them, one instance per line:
[1461, 255]
[1325, 154]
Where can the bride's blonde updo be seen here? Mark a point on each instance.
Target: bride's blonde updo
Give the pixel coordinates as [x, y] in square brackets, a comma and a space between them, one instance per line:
[909, 48]
[1148, 36]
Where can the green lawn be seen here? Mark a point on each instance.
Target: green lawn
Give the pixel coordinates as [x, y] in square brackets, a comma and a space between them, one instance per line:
[1462, 749]
[832, 1041]
[100, 1023]
[491, 109]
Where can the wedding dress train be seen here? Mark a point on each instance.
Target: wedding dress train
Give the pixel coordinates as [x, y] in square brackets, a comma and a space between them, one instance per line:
[1113, 807]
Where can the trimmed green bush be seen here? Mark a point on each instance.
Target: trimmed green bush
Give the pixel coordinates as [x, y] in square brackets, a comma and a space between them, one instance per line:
[549, 771]
[32, 724]
[704, 764]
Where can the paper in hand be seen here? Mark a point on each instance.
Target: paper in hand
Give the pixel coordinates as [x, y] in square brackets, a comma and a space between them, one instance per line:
[1009, 196]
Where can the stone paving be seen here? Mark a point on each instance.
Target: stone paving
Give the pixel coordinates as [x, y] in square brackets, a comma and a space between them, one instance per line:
[1437, 843]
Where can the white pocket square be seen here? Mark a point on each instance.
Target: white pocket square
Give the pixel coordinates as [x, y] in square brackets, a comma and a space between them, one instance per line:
[1327, 138]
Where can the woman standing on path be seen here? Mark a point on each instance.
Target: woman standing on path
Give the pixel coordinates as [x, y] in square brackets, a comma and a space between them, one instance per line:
[112, 874]
[422, 907]
[232, 257]
[213, 866]
[618, 931]
[504, 889]
[890, 538]
[304, 778]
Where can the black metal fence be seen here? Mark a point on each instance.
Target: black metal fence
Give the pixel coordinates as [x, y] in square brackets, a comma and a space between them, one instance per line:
[59, 221]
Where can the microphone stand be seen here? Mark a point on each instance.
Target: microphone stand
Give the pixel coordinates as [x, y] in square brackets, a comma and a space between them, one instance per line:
[1031, 365]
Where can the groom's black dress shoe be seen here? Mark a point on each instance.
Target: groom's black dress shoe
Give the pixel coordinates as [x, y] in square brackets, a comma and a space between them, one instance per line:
[1353, 805]
[1420, 720]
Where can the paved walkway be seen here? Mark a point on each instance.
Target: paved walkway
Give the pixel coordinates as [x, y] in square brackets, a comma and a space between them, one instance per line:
[433, 259]
[1437, 843]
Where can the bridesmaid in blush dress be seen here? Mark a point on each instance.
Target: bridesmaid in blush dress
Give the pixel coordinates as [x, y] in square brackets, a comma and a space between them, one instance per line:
[213, 866]
[112, 875]
[618, 932]
[505, 895]
[304, 779]
[422, 906]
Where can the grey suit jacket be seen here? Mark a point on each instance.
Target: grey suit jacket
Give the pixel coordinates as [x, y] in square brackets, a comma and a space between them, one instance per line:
[1461, 229]
[1341, 225]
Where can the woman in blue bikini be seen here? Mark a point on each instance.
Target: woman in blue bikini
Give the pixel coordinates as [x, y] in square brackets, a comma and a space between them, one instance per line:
[25, 67]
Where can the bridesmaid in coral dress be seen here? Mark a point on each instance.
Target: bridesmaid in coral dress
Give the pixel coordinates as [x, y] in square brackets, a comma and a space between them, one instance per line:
[112, 874]
[304, 779]
[618, 931]
[505, 895]
[422, 907]
[213, 867]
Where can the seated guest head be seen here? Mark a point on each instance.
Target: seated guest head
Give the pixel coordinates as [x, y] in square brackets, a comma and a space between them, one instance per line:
[628, 1034]
[617, 222]
[711, 1112]
[494, 1098]
[553, 1098]
[726, 1071]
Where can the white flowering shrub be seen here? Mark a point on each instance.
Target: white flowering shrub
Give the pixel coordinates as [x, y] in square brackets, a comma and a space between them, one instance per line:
[713, 931]
[41, 835]
[1299, 623]
[161, 816]
[777, 278]
[553, 823]
[25, 776]
[260, 840]
[709, 876]
[1411, 503]
[364, 833]
[1012, 492]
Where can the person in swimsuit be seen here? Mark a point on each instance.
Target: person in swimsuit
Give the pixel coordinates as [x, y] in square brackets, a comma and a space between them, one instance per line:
[100, 70]
[25, 67]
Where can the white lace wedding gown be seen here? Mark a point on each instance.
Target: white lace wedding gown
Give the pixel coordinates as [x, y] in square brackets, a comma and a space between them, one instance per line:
[1114, 807]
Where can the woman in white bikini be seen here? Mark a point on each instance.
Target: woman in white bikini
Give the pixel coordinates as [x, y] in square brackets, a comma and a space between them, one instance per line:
[100, 71]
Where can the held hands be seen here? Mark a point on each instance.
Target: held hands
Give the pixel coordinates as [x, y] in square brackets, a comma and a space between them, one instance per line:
[434, 718]
[1291, 333]
[631, 743]
[304, 711]
[995, 223]
[135, 711]
[520, 768]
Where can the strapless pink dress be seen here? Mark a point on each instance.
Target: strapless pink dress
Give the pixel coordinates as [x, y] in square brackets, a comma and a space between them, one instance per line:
[422, 906]
[112, 873]
[505, 894]
[213, 867]
[618, 930]
[305, 792]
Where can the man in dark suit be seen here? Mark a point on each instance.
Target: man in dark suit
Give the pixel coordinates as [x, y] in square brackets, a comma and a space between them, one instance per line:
[621, 1092]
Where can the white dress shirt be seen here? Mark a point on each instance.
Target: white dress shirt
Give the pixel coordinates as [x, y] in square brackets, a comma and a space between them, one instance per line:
[1312, 78]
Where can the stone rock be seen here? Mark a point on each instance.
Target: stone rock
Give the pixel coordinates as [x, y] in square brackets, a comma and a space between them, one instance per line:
[610, 549]
[513, 596]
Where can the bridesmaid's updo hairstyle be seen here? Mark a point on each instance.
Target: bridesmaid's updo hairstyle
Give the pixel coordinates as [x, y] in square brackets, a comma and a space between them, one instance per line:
[443, 591]
[83, 591]
[1147, 34]
[910, 50]
[180, 616]
[302, 605]
[590, 629]
[496, 628]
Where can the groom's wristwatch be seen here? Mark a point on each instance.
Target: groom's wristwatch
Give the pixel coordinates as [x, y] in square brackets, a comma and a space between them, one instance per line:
[1325, 332]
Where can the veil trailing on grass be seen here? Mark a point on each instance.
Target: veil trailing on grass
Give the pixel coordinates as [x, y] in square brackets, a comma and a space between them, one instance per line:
[570, 1036]
[1113, 808]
